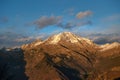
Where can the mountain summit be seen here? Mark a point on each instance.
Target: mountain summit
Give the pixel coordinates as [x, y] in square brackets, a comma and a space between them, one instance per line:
[67, 37]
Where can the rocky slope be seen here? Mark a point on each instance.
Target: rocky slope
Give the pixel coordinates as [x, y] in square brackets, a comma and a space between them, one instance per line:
[66, 56]
[69, 57]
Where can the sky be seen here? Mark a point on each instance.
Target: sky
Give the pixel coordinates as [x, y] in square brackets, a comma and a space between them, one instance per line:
[22, 21]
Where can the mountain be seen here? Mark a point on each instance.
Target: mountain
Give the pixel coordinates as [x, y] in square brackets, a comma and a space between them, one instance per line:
[66, 56]
[62, 54]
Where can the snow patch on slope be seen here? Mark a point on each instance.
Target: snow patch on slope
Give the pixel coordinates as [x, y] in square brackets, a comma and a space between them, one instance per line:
[37, 43]
[86, 40]
[55, 39]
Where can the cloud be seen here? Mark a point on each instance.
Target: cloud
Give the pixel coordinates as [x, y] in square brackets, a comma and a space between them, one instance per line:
[61, 22]
[71, 25]
[101, 38]
[113, 28]
[4, 19]
[84, 14]
[45, 21]
[84, 23]
[8, 39]
[24, 39]
[114, 17]
[67, 25]
[111, 23]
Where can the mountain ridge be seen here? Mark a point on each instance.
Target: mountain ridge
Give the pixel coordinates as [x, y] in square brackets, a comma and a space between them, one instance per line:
[69, 37]
[69, 56]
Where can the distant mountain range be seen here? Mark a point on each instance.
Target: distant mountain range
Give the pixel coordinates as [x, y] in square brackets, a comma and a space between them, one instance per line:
[65, 56]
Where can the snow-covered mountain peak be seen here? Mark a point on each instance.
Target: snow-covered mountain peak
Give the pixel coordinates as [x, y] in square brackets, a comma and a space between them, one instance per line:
[68, 37]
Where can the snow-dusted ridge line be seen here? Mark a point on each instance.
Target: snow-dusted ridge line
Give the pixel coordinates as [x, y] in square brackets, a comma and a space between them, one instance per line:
[33, 44]
[109, 46]
[65, 36]
[38, 43]
[71, 38]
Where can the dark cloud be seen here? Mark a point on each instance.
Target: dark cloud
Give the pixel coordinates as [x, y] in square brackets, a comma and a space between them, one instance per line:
[104, 38]
[84, 23]
[84, 14]
[70, 25]
[59, 21]
[11, 39]
[45, 21]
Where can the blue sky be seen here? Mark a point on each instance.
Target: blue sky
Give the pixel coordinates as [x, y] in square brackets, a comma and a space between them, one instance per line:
[40, 18]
